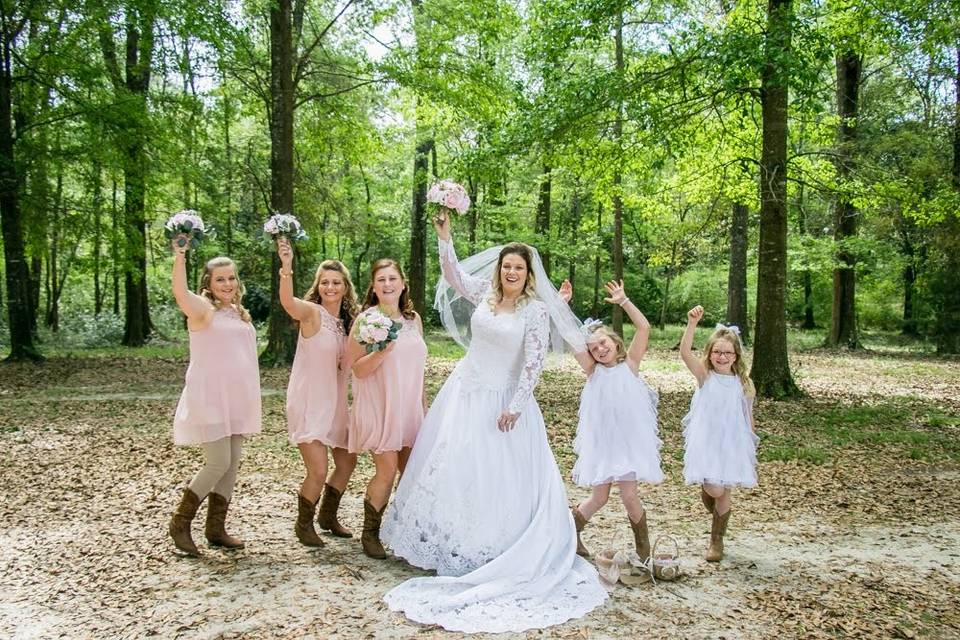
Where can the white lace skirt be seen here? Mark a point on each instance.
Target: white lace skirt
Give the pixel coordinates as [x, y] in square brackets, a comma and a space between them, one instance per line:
[488, 511]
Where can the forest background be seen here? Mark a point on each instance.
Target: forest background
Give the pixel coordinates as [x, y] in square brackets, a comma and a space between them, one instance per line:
[789, 162]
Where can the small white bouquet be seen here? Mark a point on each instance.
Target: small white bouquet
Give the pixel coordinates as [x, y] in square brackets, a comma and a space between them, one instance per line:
[449, 195]
[187, 227]
[375, 330]
[282, 224]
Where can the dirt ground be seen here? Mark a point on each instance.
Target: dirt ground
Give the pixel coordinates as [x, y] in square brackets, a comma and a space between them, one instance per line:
[854, 531]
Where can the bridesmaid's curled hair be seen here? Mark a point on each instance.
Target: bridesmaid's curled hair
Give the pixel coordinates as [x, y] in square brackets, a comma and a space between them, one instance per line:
[405, 304]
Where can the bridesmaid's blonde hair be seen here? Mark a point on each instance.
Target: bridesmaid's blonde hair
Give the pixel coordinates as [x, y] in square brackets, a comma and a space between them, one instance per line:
[348, 306]
[216, 263]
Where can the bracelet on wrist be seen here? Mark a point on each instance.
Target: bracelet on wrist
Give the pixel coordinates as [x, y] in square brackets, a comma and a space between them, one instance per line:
[624, 301]
[285, 274]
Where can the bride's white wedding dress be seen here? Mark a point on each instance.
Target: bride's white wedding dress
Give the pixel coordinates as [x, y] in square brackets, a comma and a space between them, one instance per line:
[487, 509]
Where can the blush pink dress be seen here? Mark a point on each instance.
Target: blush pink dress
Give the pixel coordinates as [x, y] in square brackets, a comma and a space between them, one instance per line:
[317, 392]
[387, 404]
[221, 396]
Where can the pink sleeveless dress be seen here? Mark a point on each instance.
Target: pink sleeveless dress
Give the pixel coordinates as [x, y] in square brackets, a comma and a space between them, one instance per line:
[317, 392]
[387, 405]
[221, 396]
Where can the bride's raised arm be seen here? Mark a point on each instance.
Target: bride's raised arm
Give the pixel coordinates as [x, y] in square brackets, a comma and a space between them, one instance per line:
[470, 287]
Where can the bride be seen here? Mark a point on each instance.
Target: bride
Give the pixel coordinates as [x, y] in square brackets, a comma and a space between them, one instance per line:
[481, 501]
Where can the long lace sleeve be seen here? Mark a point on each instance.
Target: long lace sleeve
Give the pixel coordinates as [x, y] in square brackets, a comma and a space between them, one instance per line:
[536, 342]
[470, 287]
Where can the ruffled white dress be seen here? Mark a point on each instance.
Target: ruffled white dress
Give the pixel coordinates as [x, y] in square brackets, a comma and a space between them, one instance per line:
[720, 448]
[617, 434]
[487, 509]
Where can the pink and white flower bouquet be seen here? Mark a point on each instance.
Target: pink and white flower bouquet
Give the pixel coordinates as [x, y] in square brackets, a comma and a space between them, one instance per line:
[282, 224]
[449, 195]
[375, 330]
[187, 227]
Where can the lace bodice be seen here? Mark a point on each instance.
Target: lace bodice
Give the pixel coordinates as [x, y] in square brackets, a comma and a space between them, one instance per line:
[330, 322]
[506, 349]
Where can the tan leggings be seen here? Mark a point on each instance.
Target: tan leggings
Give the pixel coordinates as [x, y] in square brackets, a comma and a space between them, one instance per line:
[219, 472]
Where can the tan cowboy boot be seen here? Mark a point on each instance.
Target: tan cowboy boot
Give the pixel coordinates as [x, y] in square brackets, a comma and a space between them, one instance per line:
[580, 522]
[306, 534]
[179, 527]
[216, 518]
[708, 500]
[641, 537]
[370, 538]
[717, 531]
[327, 518]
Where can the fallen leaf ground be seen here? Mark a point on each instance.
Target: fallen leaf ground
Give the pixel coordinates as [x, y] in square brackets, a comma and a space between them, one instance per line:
[854, 531]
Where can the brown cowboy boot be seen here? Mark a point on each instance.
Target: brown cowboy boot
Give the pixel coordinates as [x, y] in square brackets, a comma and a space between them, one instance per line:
[327, 518]
[708, 500]
[179, 527]
[717, 531]
[306, 534]
[641, 537]
[580, 522]
[216, 518]
[370, 538]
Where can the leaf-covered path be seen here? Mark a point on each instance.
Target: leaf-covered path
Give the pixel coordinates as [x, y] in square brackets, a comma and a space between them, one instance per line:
[854, 531]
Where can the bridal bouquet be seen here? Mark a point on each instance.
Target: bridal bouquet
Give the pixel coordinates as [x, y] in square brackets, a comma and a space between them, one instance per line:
[375, 330]
[449, 195]
[187, 227]
[282, 224]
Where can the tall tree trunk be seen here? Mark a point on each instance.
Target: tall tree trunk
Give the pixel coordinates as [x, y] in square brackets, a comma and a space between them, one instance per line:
[595, 305]
[771, 369]
[417, 271]
[576, 212]
[52, 319]
[131, 87]
[96, 195]
[417, 265]
[11, 217]
[843, 325]
[542, 222]
[948, 308]
[809, 321]
[228, 151]
[114, 248]
[281, 335]
[737, 271]
[909, 326]
[618, 179]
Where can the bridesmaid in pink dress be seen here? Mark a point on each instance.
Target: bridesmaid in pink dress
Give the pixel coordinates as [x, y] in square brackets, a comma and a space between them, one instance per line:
[220, 403]
[388, 395]
[317, 416]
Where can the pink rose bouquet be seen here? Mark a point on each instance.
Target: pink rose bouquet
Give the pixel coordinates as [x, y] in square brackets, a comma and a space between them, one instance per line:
[375, 330]
[187, 226]
[449, 195]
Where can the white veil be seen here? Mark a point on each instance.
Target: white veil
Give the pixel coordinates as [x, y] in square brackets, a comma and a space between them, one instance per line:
[455, 310]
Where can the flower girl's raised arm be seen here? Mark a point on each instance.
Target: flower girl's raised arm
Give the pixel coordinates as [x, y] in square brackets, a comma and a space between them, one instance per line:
[686, 345]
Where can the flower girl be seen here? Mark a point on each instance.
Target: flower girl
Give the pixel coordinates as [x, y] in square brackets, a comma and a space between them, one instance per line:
[721, 446]
[617, 438]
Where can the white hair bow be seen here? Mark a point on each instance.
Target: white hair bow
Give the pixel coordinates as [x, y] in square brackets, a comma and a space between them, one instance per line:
[590, 325]
[729, 327]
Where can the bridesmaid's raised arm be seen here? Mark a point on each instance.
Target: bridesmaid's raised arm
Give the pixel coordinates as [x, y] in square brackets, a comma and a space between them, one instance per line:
[296, 308]
[196, 308]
